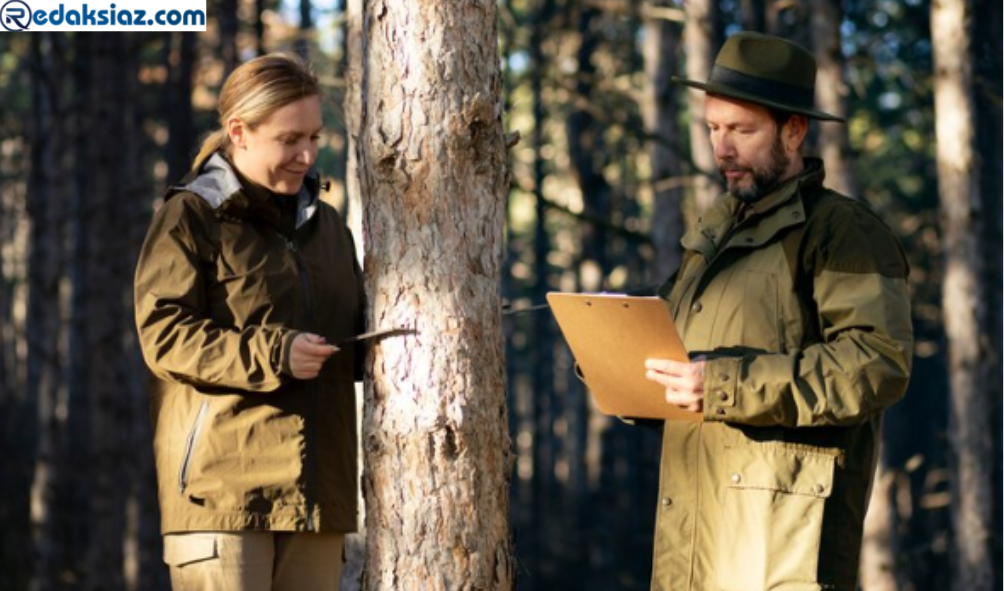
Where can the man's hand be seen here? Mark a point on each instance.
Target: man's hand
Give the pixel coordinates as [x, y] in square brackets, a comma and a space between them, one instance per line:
[684, 382]
[307, 355]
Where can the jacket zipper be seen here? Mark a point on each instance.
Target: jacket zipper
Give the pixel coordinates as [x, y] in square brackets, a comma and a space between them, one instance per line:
[309, 493]
[193, 436]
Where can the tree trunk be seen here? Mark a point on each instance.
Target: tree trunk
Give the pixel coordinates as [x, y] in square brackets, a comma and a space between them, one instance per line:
[226, 20]
[964, 308]
[514, 328]
[12, 512]
[789, 19]
[434, 177]
[831, 94]
[77, 446]
[587, 152]
[877, 571]
[754, 17]
[15, 477]
[541, 349]
[988, 66]
[353, 107]
[42, 326]
[568, 402]
[305, 36]
[259, 27]
[355, 544]
[109, 205]
[659, 108]
[701, 42]
[178, 106]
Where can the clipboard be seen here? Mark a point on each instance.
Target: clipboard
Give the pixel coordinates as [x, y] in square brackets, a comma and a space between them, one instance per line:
[611, 336]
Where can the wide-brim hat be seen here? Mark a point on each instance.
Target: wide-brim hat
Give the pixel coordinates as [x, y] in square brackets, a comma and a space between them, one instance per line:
[765, 70]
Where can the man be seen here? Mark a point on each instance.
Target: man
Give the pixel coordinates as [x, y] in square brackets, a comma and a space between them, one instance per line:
[792, 302]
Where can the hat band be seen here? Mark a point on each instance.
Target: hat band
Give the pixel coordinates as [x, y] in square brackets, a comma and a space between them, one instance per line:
[798, 97]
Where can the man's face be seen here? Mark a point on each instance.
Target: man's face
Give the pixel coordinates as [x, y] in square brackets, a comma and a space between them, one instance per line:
[751, 152]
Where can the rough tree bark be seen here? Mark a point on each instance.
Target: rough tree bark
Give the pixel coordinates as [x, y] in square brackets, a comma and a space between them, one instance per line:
[434, 177]
[965, 311]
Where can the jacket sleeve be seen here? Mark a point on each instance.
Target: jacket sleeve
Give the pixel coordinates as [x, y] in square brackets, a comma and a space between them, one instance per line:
[179, 339]
[861, 363]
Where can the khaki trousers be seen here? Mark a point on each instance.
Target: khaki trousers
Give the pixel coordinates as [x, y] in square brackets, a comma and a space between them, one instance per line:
[254, 561]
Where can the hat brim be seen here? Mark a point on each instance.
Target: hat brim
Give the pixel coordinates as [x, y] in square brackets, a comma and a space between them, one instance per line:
[728, 91]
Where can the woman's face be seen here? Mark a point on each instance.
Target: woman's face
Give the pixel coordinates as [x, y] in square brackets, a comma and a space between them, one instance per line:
[278, 152]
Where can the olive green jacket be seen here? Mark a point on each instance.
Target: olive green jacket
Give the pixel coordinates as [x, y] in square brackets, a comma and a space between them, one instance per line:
[228, 275]
[799, 302]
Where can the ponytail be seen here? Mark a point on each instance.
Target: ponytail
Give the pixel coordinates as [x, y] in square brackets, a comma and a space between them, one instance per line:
[212, 143]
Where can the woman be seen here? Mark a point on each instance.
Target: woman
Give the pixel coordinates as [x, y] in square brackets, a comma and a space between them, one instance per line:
[243, 283]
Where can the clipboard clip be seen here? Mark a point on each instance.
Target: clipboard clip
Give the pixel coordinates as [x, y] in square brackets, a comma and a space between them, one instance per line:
[648, 290]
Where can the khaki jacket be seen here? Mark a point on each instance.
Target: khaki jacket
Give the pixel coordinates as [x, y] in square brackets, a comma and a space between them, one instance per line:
[227, 277]
[800, 304]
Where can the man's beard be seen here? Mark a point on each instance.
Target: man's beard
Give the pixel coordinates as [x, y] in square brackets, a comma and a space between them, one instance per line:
[765, 179]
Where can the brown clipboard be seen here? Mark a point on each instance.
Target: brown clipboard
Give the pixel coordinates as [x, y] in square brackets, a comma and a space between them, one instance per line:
[611, 336]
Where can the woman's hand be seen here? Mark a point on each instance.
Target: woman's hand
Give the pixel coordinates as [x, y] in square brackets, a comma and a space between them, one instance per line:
[307, 355]
[684, 382]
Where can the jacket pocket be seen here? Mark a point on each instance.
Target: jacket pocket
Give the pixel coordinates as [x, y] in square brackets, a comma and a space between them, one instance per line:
[188, 548]
[190, 442]
[772, 510]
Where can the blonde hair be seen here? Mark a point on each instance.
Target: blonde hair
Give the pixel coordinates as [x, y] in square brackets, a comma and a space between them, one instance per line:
[255, 90]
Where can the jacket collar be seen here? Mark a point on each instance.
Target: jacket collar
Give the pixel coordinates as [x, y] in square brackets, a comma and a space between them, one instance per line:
[809, 179]
[779, 209]
[219, 184]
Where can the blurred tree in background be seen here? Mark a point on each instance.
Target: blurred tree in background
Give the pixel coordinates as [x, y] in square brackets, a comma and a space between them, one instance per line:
[609, 168]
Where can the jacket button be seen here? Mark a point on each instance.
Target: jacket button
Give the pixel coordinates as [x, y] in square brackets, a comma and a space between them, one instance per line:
[736, 478]
[819, 488]
[720, 411]
[723, 396]
[697, 307]
[666, 501]
[723, 377]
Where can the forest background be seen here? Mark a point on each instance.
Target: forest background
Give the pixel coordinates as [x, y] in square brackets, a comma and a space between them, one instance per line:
[607, 166]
